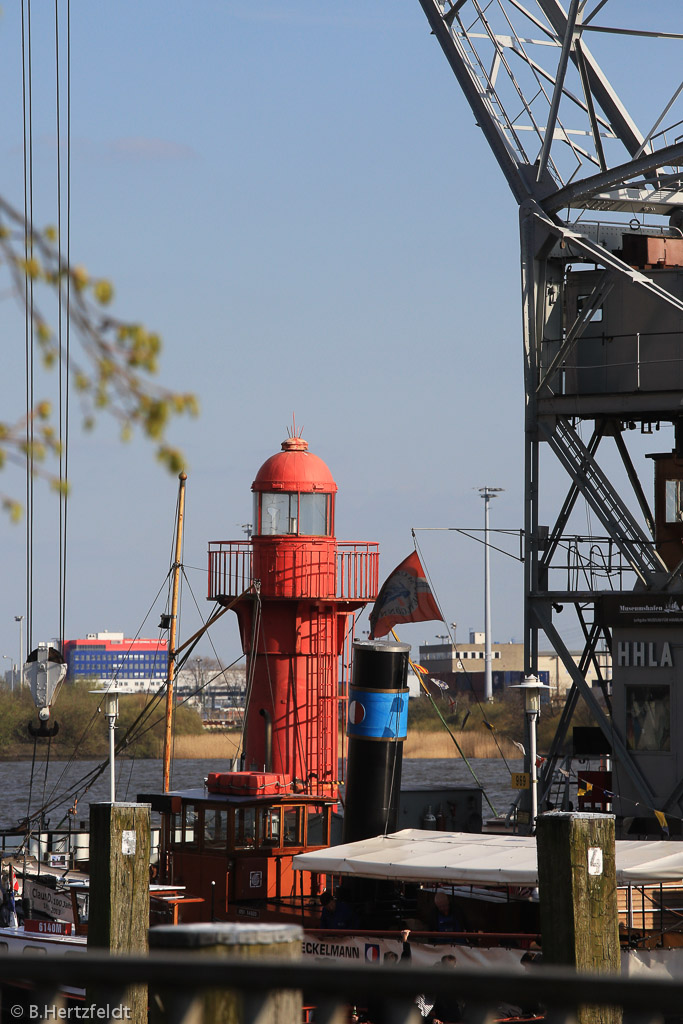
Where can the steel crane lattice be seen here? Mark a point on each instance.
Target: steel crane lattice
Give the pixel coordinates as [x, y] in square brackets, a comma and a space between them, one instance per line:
[589, 184]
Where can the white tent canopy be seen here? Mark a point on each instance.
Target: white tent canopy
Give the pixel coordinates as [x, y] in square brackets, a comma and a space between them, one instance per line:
[461, 858]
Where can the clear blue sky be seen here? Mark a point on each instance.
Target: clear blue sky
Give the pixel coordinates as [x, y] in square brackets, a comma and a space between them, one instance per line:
[296, 196]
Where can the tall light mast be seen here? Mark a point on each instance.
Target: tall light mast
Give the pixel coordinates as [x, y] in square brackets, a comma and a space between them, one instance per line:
[601, 218]
[487, 494]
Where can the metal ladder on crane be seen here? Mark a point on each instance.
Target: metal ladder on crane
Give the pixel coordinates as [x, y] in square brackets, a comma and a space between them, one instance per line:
[620, 524]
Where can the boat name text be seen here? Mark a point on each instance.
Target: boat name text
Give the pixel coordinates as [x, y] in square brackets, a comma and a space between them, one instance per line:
[330, 949]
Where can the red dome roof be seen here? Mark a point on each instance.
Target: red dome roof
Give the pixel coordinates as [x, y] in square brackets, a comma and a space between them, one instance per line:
[294, 469]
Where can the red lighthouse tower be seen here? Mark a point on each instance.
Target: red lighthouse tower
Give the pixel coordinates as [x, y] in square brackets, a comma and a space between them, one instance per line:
[293, 586]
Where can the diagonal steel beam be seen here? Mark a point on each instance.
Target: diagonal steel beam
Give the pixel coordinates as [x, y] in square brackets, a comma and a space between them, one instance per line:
[557, 91]
[478, 101]
[622, 124]
[567, 508]
[595, 299]
[609, 730]
[539, 70]
[604, 500]
[614, 177]
[603, 256]
[588, 95]
[548, 768]
[634, 480]
[674, 796]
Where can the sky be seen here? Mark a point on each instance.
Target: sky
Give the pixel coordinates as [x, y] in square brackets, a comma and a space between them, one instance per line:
[297, 198]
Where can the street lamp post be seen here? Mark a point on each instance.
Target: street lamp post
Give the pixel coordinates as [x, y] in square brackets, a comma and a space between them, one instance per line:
[110, 706]
[487, 493]
[11, 665]
[532, 689]
[20, 620]
[111, 710]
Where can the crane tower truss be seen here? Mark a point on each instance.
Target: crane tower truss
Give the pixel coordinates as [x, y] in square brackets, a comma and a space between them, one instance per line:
[601, 212]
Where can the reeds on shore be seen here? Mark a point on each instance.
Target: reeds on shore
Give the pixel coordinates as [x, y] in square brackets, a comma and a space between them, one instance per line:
[420, 743]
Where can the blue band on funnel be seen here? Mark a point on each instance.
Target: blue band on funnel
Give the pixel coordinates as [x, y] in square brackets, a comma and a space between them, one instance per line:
[378, 714]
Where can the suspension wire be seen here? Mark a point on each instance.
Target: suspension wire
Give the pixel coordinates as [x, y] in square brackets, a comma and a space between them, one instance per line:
[446, 726]
[88, 726]
[126, 740]
[30, 785]
[63, 314]
[487, 724]
[468, 677]
[396, 713]
[27, 109]
[60, 366]
[207, 634]
[90, 777]
[47, 766]
[65, 496]
[419, 675]
[149, 708]
[131, 736]
[130, 773]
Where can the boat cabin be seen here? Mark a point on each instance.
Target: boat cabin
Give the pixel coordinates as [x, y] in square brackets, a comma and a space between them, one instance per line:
[233, 842]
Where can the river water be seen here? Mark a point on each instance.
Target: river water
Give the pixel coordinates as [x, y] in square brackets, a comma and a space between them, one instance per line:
[65, 782]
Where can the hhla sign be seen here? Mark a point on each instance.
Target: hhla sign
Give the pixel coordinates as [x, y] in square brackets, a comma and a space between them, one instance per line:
[635, 654]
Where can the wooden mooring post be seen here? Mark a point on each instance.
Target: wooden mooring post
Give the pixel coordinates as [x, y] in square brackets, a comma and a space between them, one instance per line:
[578, 897]
[118, 918]
[244, 942]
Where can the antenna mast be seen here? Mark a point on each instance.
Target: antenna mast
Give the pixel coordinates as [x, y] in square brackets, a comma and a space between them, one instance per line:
[173, 632]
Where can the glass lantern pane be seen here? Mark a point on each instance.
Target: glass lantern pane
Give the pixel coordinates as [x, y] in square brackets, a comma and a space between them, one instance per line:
[278, 513]
[313, 514]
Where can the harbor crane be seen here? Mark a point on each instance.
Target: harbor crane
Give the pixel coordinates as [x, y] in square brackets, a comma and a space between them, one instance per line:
[601, 246]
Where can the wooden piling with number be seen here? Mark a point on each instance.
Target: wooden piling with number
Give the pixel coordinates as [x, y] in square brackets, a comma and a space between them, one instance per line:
[578, 897]
[119, 892]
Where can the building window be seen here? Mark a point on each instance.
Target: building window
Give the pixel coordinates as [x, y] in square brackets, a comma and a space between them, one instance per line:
[581, 301]
[648, 718]
[674, 501]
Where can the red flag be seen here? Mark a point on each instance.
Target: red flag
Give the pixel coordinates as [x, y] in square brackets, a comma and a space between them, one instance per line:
[405, 597]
